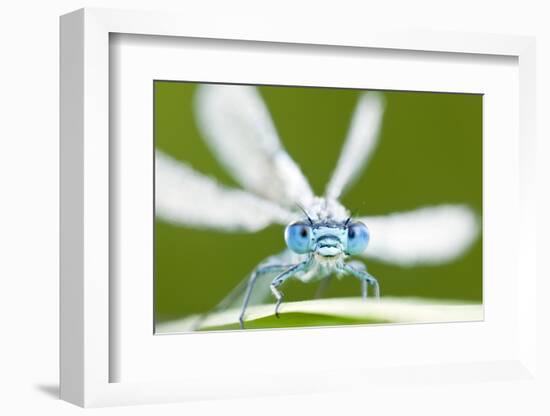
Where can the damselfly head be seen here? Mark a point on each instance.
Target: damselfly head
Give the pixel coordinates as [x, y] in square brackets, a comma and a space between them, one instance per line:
[327, 238]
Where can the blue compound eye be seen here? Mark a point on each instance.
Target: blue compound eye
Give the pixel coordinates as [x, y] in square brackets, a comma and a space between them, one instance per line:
[298, 237]
[358, 238]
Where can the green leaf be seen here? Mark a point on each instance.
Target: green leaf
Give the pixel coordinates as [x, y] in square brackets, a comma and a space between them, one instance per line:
[331, 312]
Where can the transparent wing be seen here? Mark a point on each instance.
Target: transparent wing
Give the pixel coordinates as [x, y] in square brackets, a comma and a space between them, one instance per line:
[237, 126]
[185, 197]
[261, 293]
[428, 235]
[360, 142]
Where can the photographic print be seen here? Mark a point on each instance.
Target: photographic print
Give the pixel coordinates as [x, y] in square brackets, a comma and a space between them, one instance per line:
[294, 207]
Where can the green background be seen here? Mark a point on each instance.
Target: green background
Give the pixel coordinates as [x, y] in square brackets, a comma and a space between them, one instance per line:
[430, 152]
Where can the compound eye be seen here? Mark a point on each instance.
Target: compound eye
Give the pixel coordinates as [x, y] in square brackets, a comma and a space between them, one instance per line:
[358, 238]
[298, 237]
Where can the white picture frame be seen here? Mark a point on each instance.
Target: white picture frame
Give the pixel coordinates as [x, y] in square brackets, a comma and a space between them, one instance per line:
[89, 299]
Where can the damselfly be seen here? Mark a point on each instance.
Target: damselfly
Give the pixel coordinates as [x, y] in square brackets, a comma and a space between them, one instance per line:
[320, 234]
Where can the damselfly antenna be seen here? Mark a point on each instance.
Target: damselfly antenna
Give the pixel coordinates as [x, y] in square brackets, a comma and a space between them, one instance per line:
[305, 213]
[354, 213]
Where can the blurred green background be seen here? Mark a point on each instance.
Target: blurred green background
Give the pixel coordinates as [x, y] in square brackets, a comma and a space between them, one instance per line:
[430, 152]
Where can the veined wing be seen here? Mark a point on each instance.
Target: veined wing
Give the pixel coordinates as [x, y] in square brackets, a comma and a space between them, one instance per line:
[233, 301]
[260, 293]
[184, 196]
[238, 128]
[360, 142]
[428, 235]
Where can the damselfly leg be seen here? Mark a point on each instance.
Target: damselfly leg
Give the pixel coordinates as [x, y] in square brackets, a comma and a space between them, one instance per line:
[261, 270]
[360, 271]
[280, 279]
